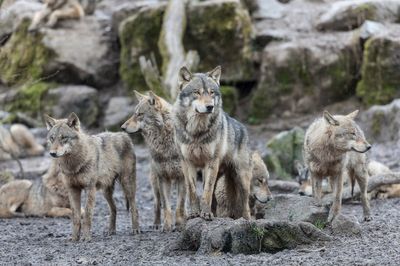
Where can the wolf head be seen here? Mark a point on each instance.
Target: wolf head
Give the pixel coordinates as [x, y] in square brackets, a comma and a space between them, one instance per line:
[199, 92]
[259, 183]
[303, 178]
[149, 112]
[345, 134]
[63, 134]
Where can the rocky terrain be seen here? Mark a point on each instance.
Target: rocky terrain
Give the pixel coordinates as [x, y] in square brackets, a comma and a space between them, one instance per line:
[283, 62]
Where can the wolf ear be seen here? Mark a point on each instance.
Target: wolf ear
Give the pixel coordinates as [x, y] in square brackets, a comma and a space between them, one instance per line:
[154, 99]
[138, 95]
[298, 166]
[353, 115]
[50, 122]
[73, 121]
[184, 76]
[215, 74]
[330, 119]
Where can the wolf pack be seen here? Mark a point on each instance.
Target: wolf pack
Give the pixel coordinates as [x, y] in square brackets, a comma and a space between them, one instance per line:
[191, 138]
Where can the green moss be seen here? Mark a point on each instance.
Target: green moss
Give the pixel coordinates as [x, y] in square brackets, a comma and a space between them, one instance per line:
[377, 121]
[221, 34]
[29, 99]
[365, 11]
[320, 224]
[380, 81]
[24, 57]
[229, 99]
[138, 36]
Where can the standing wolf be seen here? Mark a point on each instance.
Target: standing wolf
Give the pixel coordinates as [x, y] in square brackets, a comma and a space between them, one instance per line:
[211, 141]
[152, 117]
[91, 163]
[329, 147]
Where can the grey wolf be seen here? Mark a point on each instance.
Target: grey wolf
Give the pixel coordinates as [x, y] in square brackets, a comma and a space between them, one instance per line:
[18, 141]
[259, 190]
[334, 147]
[47, 197]
[55, 10]
[92, 162]
[211, 142]
[152, 117]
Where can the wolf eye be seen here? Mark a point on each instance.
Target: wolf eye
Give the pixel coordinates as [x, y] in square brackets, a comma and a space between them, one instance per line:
[212, 92]
[260, 180]
[140, 115]
[51, 139]
[197, 92]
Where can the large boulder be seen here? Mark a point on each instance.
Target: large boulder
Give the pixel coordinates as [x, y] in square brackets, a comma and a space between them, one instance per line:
[87, 56]
[380, 78]
[284, 149]
[62, 100]
[381, 123]
[221, 32]
[347, 15]
[118, 110]
[243, 236]
[305, 74]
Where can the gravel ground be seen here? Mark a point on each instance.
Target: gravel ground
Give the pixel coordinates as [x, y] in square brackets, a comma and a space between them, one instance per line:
[39, 241]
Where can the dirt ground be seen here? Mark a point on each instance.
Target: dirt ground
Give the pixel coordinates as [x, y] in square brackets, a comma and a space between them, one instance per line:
[40, 241]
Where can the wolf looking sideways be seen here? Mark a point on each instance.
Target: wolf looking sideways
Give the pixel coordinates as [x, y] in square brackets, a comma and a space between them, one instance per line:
[211, 141]
[92, 162]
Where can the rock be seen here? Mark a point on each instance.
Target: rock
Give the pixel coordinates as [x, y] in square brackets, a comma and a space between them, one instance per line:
[118, 110]
[370, 28]
[5, 177]
[12, 15]
[221, 32]
[88, 56]
[243, 236]
[380, 78]
[346, 225]
[82, 100]
[296, 208]
[33, 167]
[305, 74]
[381, 123]
[347, 15]
[229, 99]
[284, 149]
[138, 35]
[268, 9]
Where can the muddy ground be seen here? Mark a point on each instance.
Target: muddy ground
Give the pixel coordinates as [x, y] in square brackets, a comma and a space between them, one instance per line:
[39, 241]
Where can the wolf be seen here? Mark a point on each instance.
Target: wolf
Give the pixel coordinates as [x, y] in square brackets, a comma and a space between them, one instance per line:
[47, 197]
[55, 10]
[153, 118]
[17, 142]
[92, 162]
[210, 141]
[259, 190]
[334, 147]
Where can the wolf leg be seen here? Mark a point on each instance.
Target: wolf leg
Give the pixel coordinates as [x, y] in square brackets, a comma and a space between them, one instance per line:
[38, 18]
[316, 188]
[165, 192]
[210, 178]
[157, 201]
[108, 195]
[69, 12]
[87, 221]
[244, 191]
[75, 201]
[190, 181]
[337, 201]
[128, 183]
[180, 209]
[362, 180]
[56, 212]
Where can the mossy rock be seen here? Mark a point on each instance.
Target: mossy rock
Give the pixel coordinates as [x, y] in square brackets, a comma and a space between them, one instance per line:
[229, 99]
[380, 81]
[221, 32]
[285, 148]
[29, 99]
[138, 36]
[24, 57]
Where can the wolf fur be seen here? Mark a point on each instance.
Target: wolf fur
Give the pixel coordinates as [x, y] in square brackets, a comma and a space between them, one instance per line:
[329, 142]
[152, 117]
[211, 141]
[92, 162]
[47, 197]
[18, 141]
[259, 190]
[55, 10]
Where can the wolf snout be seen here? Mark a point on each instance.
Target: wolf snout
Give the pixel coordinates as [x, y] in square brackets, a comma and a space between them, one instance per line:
[209, 108]
[123, 127]
[53, 154]
[369, 146]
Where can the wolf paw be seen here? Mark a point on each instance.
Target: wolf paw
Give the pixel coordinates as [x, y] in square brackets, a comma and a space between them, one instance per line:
[208, 216]
[367, 218]
[155, 227]
[167, 228]
[86, 238]
[136, 231]
[74, 239]
[193, 215]
[110, 232]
